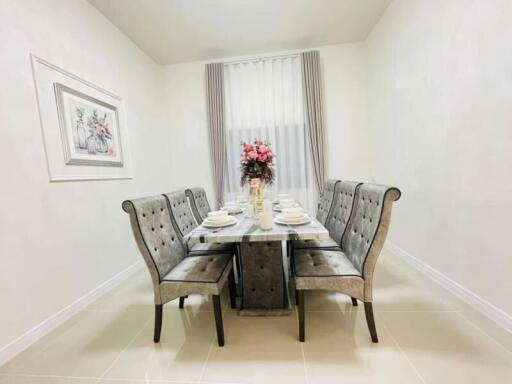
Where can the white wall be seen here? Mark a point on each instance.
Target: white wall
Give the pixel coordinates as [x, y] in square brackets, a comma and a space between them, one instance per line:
[346, 122]
[440, 93]
[60, 240]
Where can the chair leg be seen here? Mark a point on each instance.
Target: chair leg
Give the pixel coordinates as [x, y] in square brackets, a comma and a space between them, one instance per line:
[300, 300]
[158, 322]
[218, 319]
[354, 301]
[232, 289]
[182, 301]
[368, 310]
[296, 297]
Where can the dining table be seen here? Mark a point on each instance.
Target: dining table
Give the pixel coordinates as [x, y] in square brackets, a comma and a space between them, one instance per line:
[263, 273]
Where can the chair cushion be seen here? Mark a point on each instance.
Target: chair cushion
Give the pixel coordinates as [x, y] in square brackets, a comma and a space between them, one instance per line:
[199, 269]
[209, 248]
[327, 269]
[318, 263]
[308, 244]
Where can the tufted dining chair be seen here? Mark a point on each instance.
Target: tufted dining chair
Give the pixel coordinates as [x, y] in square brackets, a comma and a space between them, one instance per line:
[345, 195]
[198, 203]
[325, 200]
[173, 274]
[349, 271]
[184, 223]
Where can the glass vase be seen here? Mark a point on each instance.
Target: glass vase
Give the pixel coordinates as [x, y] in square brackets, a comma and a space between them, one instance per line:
[257, 194]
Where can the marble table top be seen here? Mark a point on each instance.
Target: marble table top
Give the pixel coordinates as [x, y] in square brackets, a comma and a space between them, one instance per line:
[247, 229]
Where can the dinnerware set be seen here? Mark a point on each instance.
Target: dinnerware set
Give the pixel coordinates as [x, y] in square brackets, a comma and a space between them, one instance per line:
[291, 213]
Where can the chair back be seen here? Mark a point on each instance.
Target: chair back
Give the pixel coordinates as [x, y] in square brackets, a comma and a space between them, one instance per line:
[368, 226]
[155, 235]
[181, 212]
[345, 196]
[199, 203]
[325, 200]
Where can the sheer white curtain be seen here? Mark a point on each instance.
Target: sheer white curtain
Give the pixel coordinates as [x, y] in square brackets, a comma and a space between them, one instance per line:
[263, 99]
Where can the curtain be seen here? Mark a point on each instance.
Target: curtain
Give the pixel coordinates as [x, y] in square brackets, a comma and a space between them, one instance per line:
[263, 99]
[312, 86]
[216, 131]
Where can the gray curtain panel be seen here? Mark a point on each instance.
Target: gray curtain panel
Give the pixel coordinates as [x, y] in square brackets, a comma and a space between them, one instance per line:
[312, 89]
[215, 103]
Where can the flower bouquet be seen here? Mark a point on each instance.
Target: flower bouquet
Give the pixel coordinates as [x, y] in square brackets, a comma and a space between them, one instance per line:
[256, 162]
[256, 165]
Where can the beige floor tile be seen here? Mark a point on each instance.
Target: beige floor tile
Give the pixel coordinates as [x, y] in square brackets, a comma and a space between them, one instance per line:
[257, 350]
[446, 348]
[184, 344]
[86, 348]
[338, 348]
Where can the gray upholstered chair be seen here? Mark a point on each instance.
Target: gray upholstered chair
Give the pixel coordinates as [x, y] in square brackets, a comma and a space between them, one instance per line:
[185, 222]
[345, 195]
[173, 274]
[351, 271]
[325, 200]
[198, 203]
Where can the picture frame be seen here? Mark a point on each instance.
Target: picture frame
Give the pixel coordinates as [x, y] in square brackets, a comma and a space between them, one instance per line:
[89, 137]
[84, 128]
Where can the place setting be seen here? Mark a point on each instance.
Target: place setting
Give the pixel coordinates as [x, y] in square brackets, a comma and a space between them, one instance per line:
[284, 200]
[292, 216]
[219, 219]
[233, 207]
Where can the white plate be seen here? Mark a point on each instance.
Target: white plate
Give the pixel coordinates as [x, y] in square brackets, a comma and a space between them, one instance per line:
[302, 221]
[278, 208]
[209, 224]
[232, 211]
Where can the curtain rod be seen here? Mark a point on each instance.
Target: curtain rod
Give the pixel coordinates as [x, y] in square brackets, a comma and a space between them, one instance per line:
[260, 58]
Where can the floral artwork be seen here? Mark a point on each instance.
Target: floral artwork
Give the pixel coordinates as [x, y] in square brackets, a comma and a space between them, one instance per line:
[256, 162]
[89, 129]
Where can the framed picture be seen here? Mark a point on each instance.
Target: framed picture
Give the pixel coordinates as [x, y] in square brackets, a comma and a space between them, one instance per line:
[84, 129]
[89, 129]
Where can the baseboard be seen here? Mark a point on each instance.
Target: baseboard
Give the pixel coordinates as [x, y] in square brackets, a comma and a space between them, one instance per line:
[481, 305]
[21, 343]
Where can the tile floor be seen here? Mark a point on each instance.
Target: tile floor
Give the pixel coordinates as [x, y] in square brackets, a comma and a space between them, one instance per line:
[426, 336]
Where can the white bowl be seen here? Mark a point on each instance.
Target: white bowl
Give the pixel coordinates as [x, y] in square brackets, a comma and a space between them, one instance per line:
[292, 212]
[217, 214]
[230, 203]
[286, 204]
[283, 196]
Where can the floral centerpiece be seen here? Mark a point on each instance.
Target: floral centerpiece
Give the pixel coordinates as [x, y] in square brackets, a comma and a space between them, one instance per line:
[256, 162]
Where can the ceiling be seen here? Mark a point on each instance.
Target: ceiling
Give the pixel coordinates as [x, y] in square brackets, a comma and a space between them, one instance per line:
[173, 31]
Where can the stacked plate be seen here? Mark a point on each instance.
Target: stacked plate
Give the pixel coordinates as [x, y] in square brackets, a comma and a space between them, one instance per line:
[218, 219]
[285, 202]
[292, 216]
[232, 207]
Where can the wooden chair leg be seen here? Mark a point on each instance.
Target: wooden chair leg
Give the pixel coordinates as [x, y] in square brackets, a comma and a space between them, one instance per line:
[354, 301]
[218, 319]
[182, 301]
[158, 322]
[368, 310]
[232, 289]
[300, 300]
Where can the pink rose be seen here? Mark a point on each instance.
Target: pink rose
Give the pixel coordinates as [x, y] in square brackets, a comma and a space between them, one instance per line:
[263, 148]
[253, 155]
[262, 157]
[247, 148]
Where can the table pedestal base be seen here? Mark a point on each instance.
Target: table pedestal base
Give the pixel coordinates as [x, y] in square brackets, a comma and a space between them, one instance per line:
[263, 279]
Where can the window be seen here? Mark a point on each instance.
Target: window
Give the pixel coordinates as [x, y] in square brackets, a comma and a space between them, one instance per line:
[263, 99]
